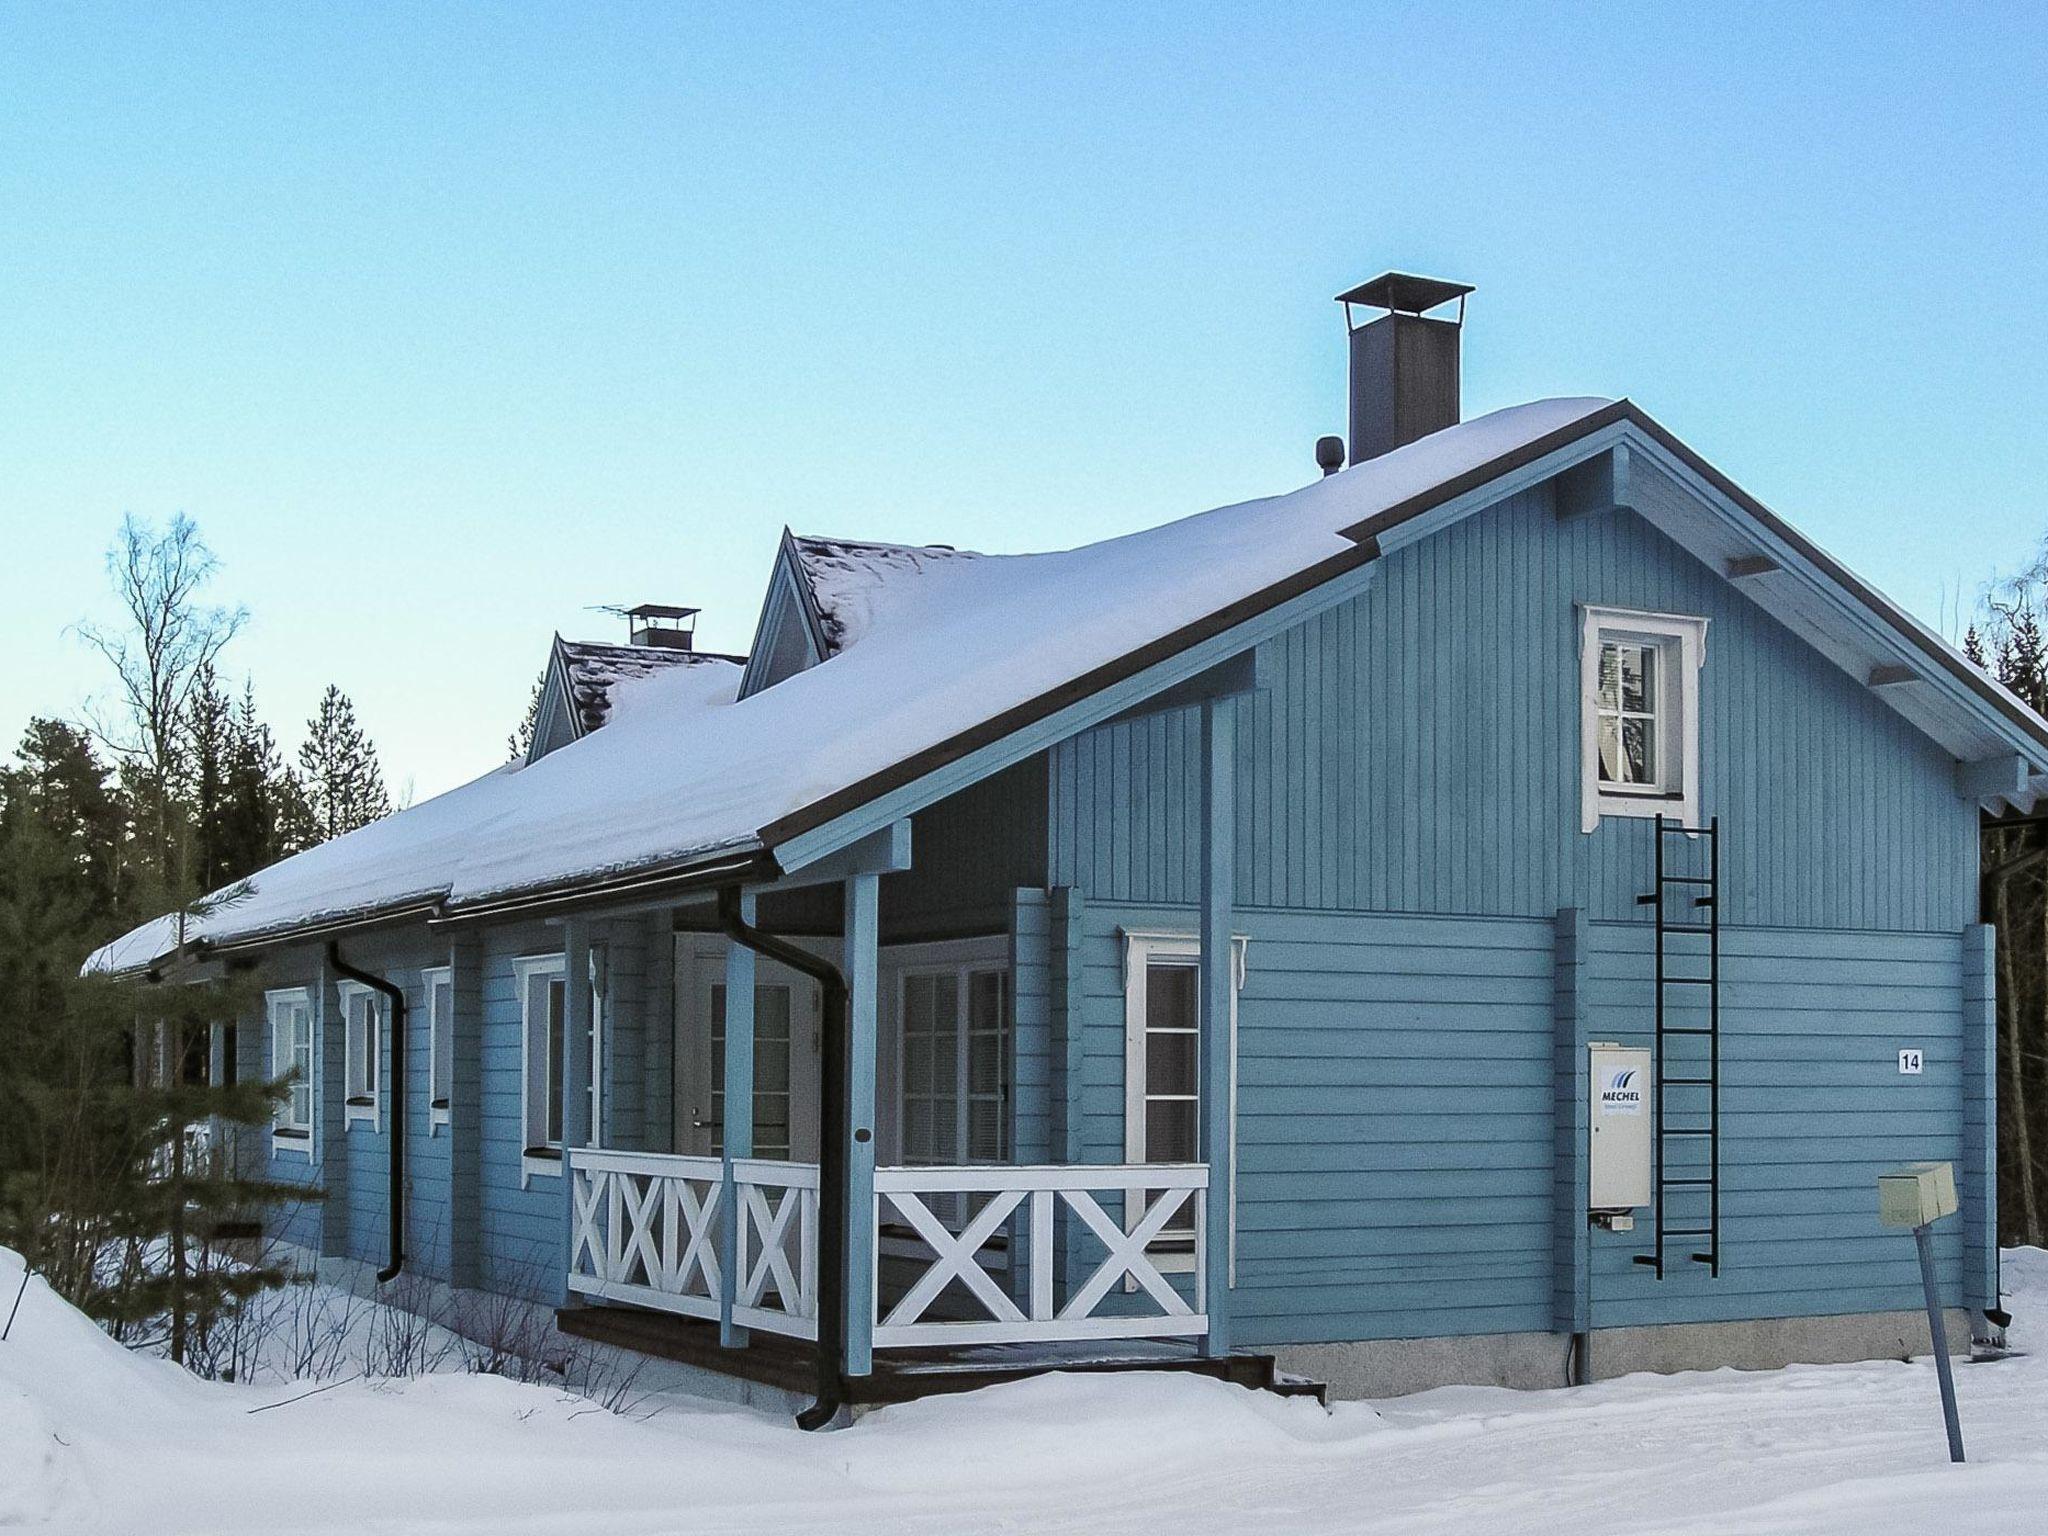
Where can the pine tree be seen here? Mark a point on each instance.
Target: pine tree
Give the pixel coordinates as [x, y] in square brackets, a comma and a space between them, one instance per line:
[209, 750]
[520, 742]
[64, 786]
[264, 814]
[344, 784]
[2023, 658]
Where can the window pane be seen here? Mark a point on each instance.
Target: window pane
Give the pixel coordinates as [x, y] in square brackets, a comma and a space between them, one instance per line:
[554, 1006]
[1170, 1063]
[1170, 996]
[1638, 677]
[1610, 675]
[443, 1023]
[984, 1131]
[985, 1012]
[917, 1132]
[1610, 750]
[1638, 751]
[1170, 1131]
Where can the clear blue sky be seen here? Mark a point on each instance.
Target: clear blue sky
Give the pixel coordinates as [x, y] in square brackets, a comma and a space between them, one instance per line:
[450, 322]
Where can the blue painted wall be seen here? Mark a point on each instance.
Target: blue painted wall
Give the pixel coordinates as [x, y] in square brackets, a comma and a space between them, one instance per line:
[1409, 1041]
[1408, 834]
[1417, 750]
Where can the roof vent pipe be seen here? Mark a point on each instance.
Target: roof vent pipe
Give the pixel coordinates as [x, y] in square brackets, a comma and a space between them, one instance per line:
[1404, 362]
[1329, 454]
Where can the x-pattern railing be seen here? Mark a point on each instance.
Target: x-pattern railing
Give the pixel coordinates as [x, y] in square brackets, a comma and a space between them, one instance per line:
[1029, 1199]
[647, 1228]
[778, 1246]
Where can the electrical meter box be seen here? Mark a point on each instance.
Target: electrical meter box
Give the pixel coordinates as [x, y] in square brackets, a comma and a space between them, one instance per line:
[1916, 1194]
[1618, 1084]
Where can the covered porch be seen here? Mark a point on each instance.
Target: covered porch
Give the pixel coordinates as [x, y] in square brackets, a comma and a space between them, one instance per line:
[826, 1230]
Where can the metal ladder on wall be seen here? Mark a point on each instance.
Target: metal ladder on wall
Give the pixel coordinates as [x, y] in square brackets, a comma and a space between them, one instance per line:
[1687, 1067]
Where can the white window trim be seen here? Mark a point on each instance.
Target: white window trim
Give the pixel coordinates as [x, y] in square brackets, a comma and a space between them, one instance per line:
[956, 957]
[524, 970]
[1141, 948]
[431, 980]
[287, 1136]
[1683, 645]
[371, 1113]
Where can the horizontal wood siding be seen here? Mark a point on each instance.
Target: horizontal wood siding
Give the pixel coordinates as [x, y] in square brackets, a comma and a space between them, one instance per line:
[1416, 749]
[1402, 1086]
[1394, 1118]
[520, 1220]
[1813, 1109]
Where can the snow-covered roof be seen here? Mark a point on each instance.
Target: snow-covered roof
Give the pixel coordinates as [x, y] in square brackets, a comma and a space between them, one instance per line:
[852, 581]
[949, 646]
[593, 669]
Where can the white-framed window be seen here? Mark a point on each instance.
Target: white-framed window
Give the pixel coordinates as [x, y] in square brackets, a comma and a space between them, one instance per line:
[1162, 1068]
[953, 1051]
[438, 983]
[543, 1007]
[1639, 714]
[290, 1012]
[363, 1011]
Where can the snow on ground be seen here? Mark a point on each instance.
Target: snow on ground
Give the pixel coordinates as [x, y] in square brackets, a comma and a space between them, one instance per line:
[95, 1439]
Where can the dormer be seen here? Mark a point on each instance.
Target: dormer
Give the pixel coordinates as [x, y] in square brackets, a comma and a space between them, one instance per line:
[790, 637]
[576, 689]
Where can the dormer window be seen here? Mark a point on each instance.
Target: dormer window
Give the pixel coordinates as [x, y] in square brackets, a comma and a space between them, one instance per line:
[1639, 714]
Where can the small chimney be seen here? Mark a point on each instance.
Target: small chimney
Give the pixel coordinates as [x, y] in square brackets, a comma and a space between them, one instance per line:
[1404, 362]
[658, 624]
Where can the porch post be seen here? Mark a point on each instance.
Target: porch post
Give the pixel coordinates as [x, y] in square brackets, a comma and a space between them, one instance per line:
[575, 1074]
[1218, 985]
[736, 1135]
[861, 966]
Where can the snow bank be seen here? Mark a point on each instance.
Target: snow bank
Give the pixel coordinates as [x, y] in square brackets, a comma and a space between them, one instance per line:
[93, 1439]
[686, 771]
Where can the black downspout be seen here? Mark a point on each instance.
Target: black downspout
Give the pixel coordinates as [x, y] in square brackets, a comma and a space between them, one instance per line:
[832, 1212]
[377, 983]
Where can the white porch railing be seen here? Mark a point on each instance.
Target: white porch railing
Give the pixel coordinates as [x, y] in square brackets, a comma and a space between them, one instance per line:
[1154, 1195]
[778, 1247]
[646, 1230]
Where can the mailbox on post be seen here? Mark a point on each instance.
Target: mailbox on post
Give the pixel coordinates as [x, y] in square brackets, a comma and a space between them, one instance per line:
[1917, 1196]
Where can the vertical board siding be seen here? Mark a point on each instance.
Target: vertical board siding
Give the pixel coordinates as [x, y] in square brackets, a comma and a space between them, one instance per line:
[1416, 749]
[1977, 1174]
[1813, 1109]
[658, 1035]
[969, 852]
[625, 1023]
[1030, 1107]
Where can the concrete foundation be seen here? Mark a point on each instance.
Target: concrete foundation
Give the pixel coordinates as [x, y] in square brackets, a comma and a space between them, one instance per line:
[1393, 1367]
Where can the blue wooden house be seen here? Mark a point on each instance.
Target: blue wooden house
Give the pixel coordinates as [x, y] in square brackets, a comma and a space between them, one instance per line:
[1486, 915]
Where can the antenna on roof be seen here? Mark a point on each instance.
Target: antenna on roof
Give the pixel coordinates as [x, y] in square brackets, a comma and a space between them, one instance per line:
[658, 624]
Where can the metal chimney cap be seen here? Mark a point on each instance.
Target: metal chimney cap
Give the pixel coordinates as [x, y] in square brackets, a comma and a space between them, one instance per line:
[1405, 292]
